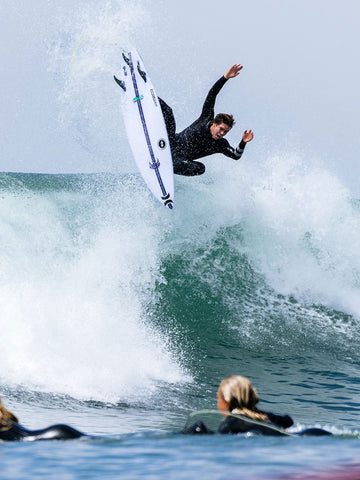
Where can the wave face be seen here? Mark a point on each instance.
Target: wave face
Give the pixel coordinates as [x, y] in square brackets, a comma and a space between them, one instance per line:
[107, 295]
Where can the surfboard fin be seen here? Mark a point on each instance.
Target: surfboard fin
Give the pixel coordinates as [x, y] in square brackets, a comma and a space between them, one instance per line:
[141, 72]
[120, 83]
[127, 60]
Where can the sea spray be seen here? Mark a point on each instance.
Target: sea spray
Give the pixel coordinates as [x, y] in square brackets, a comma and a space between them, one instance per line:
[76, 270]
[84, 57]
[268, 248]
[308, 227]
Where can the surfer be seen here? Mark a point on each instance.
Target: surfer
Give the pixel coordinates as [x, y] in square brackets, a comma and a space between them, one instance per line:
[205, 136]
[11, 430]
[237, 395]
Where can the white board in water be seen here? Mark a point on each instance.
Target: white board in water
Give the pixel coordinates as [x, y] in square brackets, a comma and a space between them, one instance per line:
[145, 127]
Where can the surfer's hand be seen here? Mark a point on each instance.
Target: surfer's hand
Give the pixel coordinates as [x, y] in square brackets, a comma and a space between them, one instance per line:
[233, 71]
[248, 136]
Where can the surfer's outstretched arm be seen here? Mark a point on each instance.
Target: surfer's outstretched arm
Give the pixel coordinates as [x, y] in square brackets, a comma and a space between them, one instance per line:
[209, 104]
[236, 153]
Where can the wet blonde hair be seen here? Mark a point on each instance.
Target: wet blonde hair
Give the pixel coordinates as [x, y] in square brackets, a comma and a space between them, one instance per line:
[6, 418]
[241, 396]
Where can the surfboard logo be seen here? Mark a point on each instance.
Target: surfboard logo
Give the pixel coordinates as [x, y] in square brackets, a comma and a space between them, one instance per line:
[154, 164]
[162, 143]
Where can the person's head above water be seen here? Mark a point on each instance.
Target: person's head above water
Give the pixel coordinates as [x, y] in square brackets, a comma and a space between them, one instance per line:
[6, 417]
[237, 395]
[221, 125]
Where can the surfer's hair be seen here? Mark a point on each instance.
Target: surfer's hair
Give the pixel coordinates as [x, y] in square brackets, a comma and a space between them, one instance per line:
[241, 396]
[224, 118]
[6, 418]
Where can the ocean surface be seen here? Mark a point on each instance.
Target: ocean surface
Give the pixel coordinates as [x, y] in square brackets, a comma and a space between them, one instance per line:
[121, 317]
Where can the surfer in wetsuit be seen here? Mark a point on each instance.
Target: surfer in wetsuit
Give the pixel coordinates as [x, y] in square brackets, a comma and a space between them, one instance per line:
[237, 395]
[11, 430]
[205, 136]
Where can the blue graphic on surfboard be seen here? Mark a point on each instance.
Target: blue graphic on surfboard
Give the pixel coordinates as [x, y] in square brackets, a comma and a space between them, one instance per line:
[145, 127]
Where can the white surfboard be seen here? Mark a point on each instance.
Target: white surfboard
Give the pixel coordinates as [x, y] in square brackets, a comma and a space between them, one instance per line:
[145, 127]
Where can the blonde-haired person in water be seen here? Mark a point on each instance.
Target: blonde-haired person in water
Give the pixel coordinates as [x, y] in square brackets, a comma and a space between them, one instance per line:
[11, 430]
[236, 395]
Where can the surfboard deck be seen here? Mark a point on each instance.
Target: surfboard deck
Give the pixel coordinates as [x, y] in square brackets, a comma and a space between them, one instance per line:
[145, 127]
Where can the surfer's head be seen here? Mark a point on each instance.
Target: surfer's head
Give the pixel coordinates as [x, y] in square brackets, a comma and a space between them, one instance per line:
[6, 417]
[236, 394]
[221, 125]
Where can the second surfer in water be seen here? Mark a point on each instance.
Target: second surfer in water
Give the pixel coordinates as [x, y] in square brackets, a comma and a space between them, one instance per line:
[238, 396]
[205, 136]
[12, 430]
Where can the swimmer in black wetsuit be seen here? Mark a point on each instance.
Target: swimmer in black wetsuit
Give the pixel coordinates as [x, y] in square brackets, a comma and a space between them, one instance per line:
[11, 430]
[204, 136]
[237, 395]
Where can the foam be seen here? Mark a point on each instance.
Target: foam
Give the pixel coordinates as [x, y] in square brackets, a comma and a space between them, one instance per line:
[72, 293]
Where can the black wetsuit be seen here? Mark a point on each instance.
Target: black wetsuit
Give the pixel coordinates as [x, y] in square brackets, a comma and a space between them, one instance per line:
[196, 141]
[239, 425]
[55, 432]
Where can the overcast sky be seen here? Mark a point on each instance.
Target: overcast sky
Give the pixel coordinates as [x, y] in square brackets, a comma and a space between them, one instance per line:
[299, 89]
